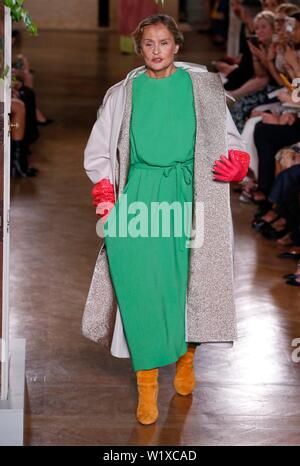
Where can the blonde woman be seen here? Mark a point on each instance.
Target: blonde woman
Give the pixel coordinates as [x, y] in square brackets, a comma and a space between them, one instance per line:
[255, 91]
[163, 136]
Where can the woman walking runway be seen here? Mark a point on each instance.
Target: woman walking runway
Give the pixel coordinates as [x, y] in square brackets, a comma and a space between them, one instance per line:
[149, 269]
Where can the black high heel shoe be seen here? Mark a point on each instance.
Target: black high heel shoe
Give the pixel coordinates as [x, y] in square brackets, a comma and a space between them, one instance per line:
[290, 276]
[289, 255]
[292, 282]
[270, 233]
[263, 209]
[17, 172]
[250, 197]
[258, 223]
[19, 164]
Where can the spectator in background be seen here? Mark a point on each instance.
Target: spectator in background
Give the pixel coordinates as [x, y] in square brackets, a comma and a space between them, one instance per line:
[24, 114]
[23, 72]
[237, 76]
[271, 5]
[276, 125]
[278, 130]
[19, 162]
[255, 91]
[281, 38]
[274, 106]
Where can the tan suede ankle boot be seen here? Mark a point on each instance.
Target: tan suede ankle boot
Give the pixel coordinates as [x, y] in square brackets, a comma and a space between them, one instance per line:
[147, 385]
[184, 380]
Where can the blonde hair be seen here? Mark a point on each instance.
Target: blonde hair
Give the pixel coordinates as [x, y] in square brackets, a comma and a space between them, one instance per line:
[166, 20]
[287, 8]
[267, 15]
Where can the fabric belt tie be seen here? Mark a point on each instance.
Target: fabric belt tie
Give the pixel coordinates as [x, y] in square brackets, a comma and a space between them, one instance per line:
[186, 168]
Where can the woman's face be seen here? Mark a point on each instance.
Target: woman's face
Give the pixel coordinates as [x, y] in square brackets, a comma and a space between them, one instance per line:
[263, 30]
[270, 5]
[158, 47]
[280, 23]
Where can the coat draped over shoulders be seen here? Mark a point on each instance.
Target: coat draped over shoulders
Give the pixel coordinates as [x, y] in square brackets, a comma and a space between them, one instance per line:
[210, 308]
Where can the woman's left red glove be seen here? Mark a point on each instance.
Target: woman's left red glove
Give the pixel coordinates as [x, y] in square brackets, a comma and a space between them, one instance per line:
[103, 197]
[233, 168]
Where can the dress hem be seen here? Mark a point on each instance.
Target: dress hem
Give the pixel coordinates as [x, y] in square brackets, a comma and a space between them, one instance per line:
[153, 366]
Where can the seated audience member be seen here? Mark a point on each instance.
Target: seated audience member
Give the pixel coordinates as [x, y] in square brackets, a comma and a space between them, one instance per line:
[25, 116]
[236, 36]
[283, 37]
[255, 91]
[277, 130]
[283, 199]
[24, 74]
[271, 5]
[242, 69]
[282, 97]
[19, 161]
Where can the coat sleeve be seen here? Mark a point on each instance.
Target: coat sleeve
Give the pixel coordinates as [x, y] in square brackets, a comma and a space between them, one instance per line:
[97, 163]
[234, 139]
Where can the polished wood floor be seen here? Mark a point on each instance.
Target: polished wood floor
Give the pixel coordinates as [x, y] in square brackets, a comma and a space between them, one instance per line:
[76, 392]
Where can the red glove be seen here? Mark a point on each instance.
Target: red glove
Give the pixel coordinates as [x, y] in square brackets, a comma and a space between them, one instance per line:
[103, 197]
[233, 168]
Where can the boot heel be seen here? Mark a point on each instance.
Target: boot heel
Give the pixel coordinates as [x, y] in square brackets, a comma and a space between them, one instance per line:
[14, 172]
[184, 381]
[147, 385]
[17, 170]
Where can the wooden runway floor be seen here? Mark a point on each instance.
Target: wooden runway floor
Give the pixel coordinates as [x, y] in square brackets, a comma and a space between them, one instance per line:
[76, 392]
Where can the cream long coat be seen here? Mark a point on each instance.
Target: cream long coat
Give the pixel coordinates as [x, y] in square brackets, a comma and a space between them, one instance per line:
[210, 312]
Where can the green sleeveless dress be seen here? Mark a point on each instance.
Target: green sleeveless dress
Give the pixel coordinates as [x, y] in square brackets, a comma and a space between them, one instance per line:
[146, 231]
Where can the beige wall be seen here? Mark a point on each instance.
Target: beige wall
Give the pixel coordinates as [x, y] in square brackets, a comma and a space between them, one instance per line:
[78, 14]
[64, 14]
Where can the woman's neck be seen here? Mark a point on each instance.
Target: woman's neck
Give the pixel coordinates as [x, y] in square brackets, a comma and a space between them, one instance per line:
[164, 73]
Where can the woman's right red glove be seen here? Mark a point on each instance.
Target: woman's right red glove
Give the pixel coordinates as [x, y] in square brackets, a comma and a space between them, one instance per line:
[103, 198]
[233, 168]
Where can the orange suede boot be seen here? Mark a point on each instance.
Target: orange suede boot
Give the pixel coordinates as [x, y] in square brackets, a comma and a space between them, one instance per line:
[147, 384]
[184, 380]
